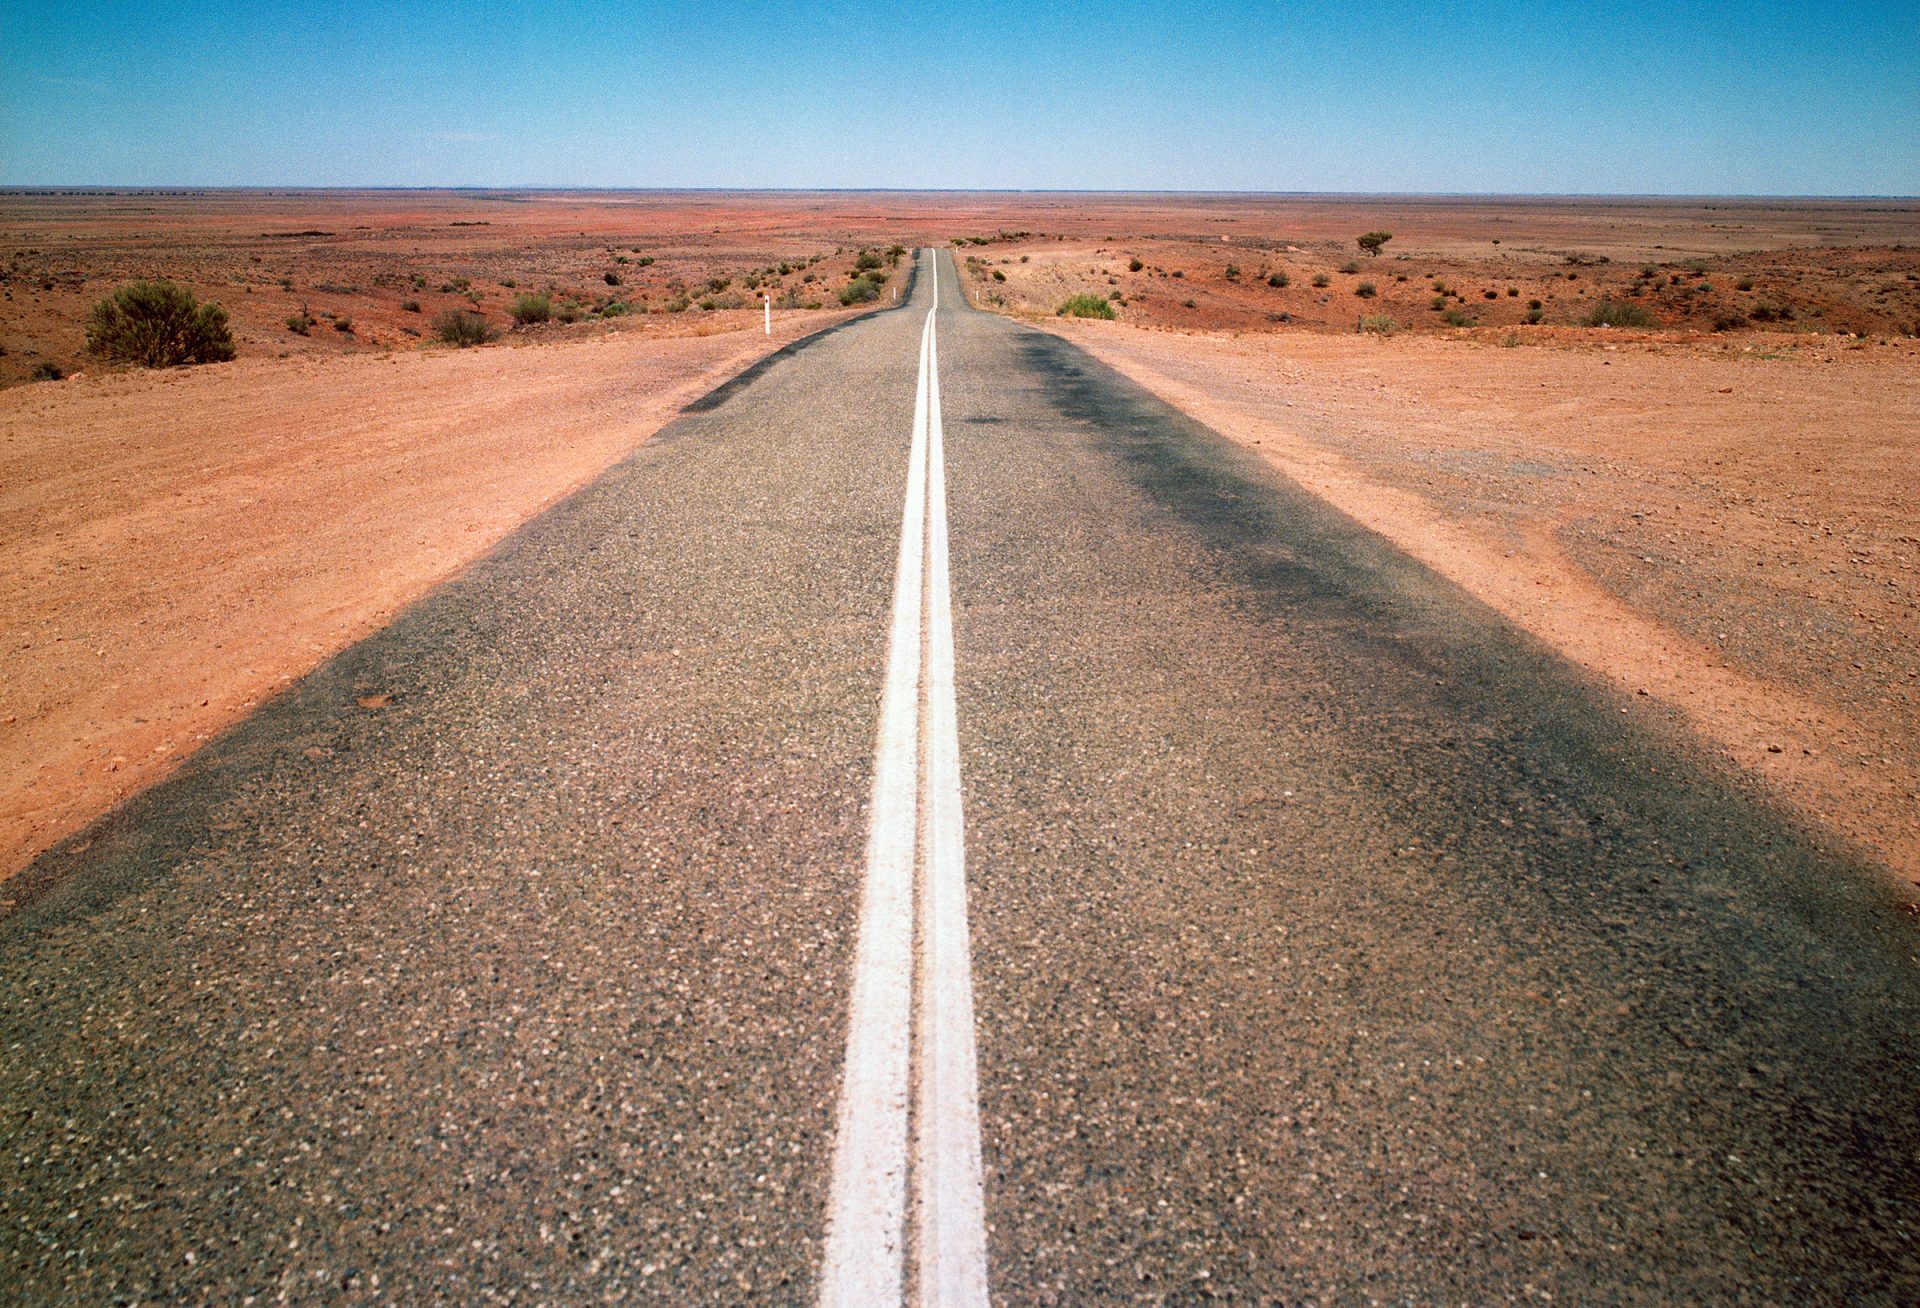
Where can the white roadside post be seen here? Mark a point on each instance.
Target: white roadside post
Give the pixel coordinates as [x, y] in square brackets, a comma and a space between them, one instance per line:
[767, 300]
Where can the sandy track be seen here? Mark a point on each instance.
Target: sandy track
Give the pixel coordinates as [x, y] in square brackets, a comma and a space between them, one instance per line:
[182, 544]
[1728, 537]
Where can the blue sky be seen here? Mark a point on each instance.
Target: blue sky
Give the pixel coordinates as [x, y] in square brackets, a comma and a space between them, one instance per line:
[1543, 97]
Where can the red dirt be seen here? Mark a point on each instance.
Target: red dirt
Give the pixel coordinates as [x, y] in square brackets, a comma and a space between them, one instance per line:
[182, 544]
[1727, 537]
[1717, 518]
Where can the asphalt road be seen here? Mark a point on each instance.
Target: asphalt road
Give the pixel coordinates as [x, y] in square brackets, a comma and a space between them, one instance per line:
[1330, 942]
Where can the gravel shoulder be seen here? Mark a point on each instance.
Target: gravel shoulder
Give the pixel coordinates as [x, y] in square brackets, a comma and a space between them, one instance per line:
[181, 545]
[1721, 532]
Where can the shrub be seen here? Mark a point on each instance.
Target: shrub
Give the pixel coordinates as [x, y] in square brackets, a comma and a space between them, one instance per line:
[410, 306]
[999, 276]
[1321, 279]
[1134, 265]
[1727, 322]
[859, 291]
[644, 260]
[1365, 290]
[1437, 303]
[1179, 272]
[1350, 267]
[1372, 241]
[158, 325]
[1460, 318]
[1233, 272]
[299, 323]
[531, 308]
[1191, 304]
[1617, 313]
[1379, 324]
[1086, 306]
[343, 325]
[867, 259]
[1744, 284]
[419, 281]
[47, 370]
[1769, 312]
[1535, 316]
[1535, 305]
[463, 328]
[1513, 292]
[1278, 281]
[611, 279]
[1489, 294]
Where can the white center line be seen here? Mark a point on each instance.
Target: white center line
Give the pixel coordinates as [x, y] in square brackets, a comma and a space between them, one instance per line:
[916, 826]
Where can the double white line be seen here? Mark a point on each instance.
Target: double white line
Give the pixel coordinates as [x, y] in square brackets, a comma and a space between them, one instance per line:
[891, 1040]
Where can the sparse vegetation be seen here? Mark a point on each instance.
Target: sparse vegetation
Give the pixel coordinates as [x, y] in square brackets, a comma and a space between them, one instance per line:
[462, 327]
[158, 325]
[1134, 265]
[1086, 306]
[410, 306]
[611, 279]
[531, 308]
[1372, 241]
[1366, 290]
[1379, 324]
[860, 290]
[1350, 267]
[300, 323]
[1617, 313]
[343, 325]
[1460, 318]
[1321, 279]
[1278, 280]
[1233, 272]
[47, 370]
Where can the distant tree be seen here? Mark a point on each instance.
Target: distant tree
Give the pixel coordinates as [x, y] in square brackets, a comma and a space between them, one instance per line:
[158, 325]
[1372, 241]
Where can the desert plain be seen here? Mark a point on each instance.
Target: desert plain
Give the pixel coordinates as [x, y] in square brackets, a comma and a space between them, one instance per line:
[1677, 440]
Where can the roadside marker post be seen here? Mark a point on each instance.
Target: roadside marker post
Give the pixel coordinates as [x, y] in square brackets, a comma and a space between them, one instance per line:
[767, 300]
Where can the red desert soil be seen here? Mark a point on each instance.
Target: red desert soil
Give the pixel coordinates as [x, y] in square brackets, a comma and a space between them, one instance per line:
[1714, 511]
[1730, 534]
[180, 545]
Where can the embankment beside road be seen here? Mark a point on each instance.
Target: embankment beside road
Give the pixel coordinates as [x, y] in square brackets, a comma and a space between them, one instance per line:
[182, 544]
[1722, 532]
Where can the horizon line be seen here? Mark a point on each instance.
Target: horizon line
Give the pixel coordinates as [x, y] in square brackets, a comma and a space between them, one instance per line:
[165, 188]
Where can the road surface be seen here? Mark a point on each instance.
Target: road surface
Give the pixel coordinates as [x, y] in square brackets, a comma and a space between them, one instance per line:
[936, 824]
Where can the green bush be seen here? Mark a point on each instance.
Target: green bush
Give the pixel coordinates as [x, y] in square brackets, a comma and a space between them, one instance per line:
[1372, 241]
[1134, 265]
[158, 325]
[1233, 272]
[1086, 306]
[531, 308]
[299, 323]
[866, 259]
[1460, 318]
[47, 370]
[1617, 313]
[410, 306]
[1379, 324]
[1279, 281]
[611, 279]
[1350, 267]
[462, 328]
[859, 291]
[1321, 279]
[1366, 290]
